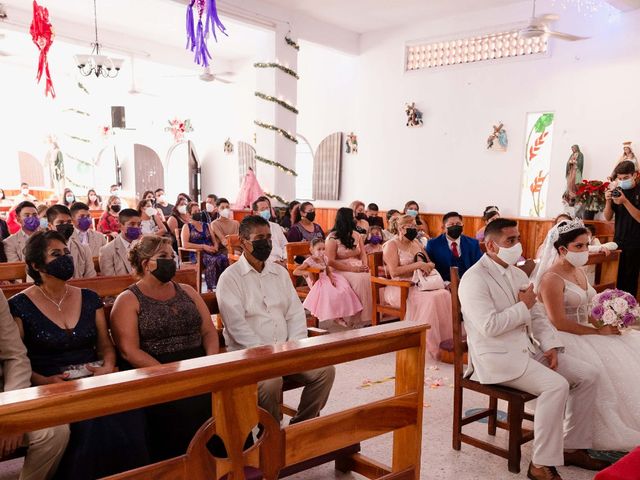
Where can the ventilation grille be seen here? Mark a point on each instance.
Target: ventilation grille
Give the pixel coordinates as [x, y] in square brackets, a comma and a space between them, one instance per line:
[493, 46]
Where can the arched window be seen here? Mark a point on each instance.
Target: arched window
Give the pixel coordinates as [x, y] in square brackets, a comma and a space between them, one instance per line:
[304, 169]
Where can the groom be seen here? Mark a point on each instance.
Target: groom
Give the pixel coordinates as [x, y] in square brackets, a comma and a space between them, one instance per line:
[512, 343]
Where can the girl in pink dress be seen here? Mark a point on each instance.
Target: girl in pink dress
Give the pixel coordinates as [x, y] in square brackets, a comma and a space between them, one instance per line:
[331, 296]
[432, 307]
[249, 191]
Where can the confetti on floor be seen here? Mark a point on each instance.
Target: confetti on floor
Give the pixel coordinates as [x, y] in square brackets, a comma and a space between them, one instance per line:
[366, 383]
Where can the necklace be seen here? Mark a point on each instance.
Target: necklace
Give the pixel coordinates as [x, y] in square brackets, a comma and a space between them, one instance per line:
[57, 304]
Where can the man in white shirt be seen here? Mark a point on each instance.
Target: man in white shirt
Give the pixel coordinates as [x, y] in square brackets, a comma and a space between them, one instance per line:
[260, 307]
[262, 207]
[24, 195]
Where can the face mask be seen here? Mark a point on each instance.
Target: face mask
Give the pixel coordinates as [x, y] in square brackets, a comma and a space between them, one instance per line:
[311, 216]
[84, 223]
[60, 267]
[266, 214]
[116, 193]
[510, 255]
[411, 233]
[375, 240]
[115, 208]
[209, 208]
[454, 231]
[160, 198]
[261, 249]
[361, 216]
[226, 213]
[197, 216]
[577, 259]
[413, 213]
[626, 184]
[65, 229]
[70, 198]
[182, 209]
[133, 233]
[93, 198]
[150, 211]
[44, 223]
[165, 269]
[25, 191]
[31, 223]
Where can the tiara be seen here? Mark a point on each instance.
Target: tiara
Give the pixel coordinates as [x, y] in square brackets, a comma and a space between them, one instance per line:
[569, 226]
[492, 209]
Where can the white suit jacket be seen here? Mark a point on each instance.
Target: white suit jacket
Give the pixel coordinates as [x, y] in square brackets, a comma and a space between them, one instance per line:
[114, 259]
[496, 323]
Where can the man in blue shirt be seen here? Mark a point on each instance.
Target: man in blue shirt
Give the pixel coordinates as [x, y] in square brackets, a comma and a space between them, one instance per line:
[452, 249]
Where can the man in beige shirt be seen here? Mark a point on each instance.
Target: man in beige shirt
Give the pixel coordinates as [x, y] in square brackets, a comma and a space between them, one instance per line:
[24, 195]
[114, 256]
[45, 447]
[27, 217]
[260, 307]
[59, 218]
[83, 233]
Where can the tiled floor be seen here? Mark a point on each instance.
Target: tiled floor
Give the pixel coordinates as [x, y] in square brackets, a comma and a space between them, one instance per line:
[439, 460]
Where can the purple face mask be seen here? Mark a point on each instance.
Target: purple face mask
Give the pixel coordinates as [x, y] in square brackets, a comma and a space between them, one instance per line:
[84, 223]
[31, 223]
[133, 233]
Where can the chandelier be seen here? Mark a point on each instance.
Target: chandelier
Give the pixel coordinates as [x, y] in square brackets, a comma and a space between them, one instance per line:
[95, 63]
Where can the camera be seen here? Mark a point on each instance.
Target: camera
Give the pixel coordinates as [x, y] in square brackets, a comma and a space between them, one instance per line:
[616, 193]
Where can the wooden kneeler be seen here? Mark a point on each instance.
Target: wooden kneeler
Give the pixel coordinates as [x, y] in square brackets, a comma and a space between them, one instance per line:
[515, 399]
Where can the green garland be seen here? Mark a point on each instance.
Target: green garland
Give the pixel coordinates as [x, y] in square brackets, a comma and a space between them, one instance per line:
[73, 137]
[276, 197]
[278, 165]
[286, 70]
[79, 112]
[281, 131]
[79, 160]
[291, 42]
[282, 103]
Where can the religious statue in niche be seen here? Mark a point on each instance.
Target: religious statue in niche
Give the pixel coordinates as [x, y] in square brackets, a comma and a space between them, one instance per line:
[573, 175]
[414, 116]
[228, 146]
[352, 143]
[498, 139]
[627, 154]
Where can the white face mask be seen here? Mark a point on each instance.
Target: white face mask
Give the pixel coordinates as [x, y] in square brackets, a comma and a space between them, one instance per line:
[25, 191]
[209, 208]
[226, 213]
[182, 209]
[150, 211]
[510, 255]
[160, 198]
[577, 259]
[70, 198]
[116, 193]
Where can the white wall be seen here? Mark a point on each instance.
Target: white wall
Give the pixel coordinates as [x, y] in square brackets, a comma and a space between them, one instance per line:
[590, 85]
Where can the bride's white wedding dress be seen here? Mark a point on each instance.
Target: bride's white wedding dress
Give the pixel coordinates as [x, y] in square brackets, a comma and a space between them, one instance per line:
[617, 406]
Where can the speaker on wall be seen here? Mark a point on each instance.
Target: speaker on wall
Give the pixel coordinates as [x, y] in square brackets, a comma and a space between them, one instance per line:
[117, 117]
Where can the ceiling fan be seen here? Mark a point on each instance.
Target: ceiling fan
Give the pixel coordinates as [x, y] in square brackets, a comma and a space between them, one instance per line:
[207, 76]
[133, 90]
[539, 27]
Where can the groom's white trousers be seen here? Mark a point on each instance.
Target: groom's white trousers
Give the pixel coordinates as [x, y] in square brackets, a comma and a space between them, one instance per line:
[564, 408]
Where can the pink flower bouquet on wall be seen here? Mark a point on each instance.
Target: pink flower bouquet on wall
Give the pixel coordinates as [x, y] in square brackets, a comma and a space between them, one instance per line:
[178, 128]
[616, 308]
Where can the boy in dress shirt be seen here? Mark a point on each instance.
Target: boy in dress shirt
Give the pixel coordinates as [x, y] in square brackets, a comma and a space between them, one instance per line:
[260, 307]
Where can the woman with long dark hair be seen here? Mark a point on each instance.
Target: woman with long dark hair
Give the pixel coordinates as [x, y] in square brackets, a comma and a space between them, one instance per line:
[287, 219]
[304, 228]
[94, 201]
[346, 255]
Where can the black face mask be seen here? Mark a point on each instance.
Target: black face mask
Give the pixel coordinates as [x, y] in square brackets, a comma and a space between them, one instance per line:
[197, 216]
[311, 216]
[454, 231]
[115, 208]
[411, 234]
[60, 267]
[261, 249]
[65, 229]
[165, 269]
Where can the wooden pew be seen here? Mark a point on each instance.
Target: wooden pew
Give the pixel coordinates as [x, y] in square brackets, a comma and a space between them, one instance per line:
[380, 307]
[105, 286]
[606, 269]
[12, 271]
[232, 380]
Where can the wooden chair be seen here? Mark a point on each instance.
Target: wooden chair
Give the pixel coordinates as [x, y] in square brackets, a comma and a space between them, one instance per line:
[380, 307]
[184, 255]
[606, 269]
[13, 271]
[293, 250]
[234, 249]
[514, 398]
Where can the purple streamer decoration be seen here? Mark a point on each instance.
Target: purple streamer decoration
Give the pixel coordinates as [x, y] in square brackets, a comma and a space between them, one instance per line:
[191, 35]
[202, 52]
[213, 20]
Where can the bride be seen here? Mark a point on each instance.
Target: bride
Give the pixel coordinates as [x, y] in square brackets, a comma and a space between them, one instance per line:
[563, 288]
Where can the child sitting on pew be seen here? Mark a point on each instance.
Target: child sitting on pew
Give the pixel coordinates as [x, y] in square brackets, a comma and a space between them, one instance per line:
[331, 296]
[373, 242]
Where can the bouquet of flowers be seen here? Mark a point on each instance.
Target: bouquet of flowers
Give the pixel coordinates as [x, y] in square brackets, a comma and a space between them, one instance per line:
[616, 308]
[590, 193]
[178, 128]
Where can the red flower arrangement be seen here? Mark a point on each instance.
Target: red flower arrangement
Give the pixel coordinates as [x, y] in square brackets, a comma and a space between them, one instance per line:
[178, 128]
[590, 193]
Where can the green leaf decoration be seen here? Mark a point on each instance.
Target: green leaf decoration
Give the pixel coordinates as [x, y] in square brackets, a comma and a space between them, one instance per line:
[83, 88]
[543, 122]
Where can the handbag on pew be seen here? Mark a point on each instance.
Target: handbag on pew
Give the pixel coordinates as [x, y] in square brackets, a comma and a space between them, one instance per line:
[424, 282]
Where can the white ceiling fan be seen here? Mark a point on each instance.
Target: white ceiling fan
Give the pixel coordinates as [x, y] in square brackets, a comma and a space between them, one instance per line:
[207, 76]
[133, 90]
[539, 27]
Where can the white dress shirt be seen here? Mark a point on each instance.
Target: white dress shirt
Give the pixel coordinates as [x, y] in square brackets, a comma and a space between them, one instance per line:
[126, 243]
[84, 237]
[450, 241]
[278, 242]
[259, 308]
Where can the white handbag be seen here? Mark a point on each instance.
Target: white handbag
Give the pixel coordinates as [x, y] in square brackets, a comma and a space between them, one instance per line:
[424, 282]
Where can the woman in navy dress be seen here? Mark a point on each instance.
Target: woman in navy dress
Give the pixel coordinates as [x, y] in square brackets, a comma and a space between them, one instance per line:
[65, 332]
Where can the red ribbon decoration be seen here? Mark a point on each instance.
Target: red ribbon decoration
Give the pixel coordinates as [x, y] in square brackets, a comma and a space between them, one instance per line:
[42, 35]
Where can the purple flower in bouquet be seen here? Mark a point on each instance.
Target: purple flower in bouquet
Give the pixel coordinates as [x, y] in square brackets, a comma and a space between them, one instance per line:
[615, 307]
[628, 319]
[597, 312]
[606, 295]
